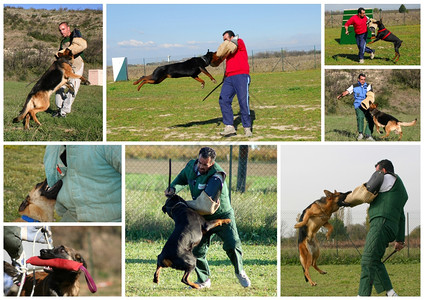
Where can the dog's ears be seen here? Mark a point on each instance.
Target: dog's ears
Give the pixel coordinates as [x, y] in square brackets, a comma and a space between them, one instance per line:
[24, 204]
[327, 193]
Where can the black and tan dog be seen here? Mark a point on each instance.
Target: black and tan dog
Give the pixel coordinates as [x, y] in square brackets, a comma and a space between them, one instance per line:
[55, 77]
[382, 33]
[387, 121]
[312, 219]
[39, 203]
[54, 281]
[189, 68]
[189, 228]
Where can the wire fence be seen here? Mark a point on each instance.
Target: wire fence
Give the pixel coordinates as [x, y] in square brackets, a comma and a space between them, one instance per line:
[348, 237]
[251, 176]
[260, 61]
[390, 18]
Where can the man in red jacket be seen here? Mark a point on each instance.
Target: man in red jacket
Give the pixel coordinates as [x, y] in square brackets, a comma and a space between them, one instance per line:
[359, 22]
[236, 81]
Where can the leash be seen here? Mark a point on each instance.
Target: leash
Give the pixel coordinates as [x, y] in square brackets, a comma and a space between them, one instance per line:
[388, 256]
[213, 90]
[169, 175]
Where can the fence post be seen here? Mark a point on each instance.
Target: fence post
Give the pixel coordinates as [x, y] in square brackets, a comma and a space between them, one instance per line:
[230, 171]
[242, 168]
[144, 64]
[315, 57]
[407, 228]
[253, 63]
[282, 59]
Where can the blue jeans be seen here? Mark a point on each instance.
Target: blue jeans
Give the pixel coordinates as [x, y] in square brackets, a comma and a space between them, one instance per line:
[361, 42]
[236, 84]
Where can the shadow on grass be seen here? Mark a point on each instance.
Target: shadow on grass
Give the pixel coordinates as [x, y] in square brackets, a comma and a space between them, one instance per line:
[217, 121]
[218, 262]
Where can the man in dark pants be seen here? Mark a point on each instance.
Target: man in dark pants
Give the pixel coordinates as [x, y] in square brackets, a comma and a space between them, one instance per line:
[387, 224]
[359, 91]
[360, 22]
[206, 179]
[236, 82]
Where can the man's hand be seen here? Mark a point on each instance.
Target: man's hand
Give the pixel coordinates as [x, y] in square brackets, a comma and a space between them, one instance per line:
[399, 246]
[342, 95]
[169, 192]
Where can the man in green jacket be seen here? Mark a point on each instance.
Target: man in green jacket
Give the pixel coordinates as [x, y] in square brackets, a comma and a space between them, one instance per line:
[206, 179]
[387, 224]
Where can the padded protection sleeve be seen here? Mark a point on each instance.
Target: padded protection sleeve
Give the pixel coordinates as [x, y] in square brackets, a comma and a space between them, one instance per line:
[374, 183]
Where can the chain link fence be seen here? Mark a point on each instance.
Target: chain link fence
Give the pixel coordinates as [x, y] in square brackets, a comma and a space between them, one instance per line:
[251, 177]
[260, 61]
[390, 17]
[348, 238]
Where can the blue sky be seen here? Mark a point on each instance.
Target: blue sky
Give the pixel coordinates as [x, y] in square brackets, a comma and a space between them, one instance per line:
[58, 6]
[154, 31]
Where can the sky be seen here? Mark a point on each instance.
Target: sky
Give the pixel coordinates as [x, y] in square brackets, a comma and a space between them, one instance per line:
[153, 32]
[307, 170]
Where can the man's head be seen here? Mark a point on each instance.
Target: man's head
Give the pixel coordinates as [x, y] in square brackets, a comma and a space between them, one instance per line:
[64, 29]
[386, 166]
[361, 12]
[206, 159]
[227, 35]
[361, 78]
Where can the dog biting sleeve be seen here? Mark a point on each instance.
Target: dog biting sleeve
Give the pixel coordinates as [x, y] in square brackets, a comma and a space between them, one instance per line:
[78, 45]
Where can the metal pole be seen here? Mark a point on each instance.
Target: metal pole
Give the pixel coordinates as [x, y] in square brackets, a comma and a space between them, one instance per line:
[231, 170]
[282, 59]
[407, 228]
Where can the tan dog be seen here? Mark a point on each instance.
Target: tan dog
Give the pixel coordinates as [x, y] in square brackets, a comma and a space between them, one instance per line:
[312, 219]
[55, 281]
[387, 121]
[55, 77]
[39, 203]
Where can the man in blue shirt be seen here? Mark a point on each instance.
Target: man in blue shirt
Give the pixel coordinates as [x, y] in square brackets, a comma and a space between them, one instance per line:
[359, 91]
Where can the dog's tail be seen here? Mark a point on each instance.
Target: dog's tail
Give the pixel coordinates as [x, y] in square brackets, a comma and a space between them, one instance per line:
[408, 123]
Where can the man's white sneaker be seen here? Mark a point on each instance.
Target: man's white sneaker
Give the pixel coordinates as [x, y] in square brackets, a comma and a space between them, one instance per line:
[361, 61]
[204, 285]
[243, 279]
[229, 130]
[391, 293]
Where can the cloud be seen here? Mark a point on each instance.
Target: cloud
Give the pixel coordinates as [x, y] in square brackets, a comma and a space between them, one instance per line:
[135, 43]
[171, 46]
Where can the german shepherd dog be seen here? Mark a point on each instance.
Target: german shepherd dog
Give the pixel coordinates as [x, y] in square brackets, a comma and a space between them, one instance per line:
[55, 77]
[189, 228]
[312, 219]
[385, 35]
[39, 203]
[387, 121]
[54, 281]
[189, 68]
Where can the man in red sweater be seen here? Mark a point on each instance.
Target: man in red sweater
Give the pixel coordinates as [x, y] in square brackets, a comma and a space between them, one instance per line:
[359, 23]
[236, 82]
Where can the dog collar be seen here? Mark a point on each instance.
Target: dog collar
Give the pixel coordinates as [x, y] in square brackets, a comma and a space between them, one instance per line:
[29, 219]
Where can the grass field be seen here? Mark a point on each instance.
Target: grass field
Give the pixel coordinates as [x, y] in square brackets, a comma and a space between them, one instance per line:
[23, 168]
[260, 264]
[336, 54]
[344, 128]
[84, 123]
[343, 280]
[284, 106]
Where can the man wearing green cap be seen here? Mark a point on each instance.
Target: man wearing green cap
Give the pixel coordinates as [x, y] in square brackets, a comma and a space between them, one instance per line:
[206, 181]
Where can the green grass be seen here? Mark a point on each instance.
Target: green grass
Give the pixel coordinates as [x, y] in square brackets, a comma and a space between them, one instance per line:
[260, 264]
[344, 128]
[84, 123]
[343, 280]
[284, 106]
[23, 168]
[336, 54]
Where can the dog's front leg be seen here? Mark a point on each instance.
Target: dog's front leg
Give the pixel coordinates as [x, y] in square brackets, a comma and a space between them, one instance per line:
[156, 276]
[306, 217]
[329, 230]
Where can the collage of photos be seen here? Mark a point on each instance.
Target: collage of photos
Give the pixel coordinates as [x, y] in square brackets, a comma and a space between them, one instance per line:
[211, 150]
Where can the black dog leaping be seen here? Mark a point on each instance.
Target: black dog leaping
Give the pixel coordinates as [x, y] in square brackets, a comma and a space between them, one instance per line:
[189, 68]
[385, 35]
